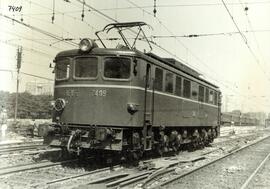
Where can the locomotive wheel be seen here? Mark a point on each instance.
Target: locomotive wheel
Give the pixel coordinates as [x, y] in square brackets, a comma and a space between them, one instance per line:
[161, 150]
[190, 147]
[131, 157]
[201, 143]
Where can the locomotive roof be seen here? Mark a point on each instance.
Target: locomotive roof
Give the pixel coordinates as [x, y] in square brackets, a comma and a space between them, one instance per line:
[150, 56]
[174, 63]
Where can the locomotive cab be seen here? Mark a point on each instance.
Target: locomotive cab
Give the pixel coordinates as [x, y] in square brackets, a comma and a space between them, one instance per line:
[94, 98]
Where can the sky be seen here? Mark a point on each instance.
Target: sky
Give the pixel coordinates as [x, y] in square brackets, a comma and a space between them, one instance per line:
[237, 62]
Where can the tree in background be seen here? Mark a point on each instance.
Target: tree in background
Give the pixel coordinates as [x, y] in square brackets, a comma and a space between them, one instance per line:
[29, 106]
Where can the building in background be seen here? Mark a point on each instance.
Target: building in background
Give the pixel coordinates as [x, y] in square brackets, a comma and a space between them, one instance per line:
[237, 117]
[261, 116]
[39, 88]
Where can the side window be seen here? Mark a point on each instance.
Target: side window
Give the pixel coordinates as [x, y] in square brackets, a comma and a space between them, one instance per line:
[158, 79]
[178, 86]
[201, 93]
[117, 68]
[194, 90]
[206, 95]
[169, 82]
[211, 97]
[186, 92]
[215, 98]
[62, 69]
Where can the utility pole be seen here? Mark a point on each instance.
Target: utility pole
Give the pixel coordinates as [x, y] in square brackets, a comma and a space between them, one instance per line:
[19, 63]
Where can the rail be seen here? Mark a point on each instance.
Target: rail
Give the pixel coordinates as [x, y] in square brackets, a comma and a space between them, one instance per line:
[201, 167]
[255, 172]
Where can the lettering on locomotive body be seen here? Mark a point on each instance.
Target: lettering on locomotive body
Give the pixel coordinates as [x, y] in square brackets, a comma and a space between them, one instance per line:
[72, 93]
[99, 92]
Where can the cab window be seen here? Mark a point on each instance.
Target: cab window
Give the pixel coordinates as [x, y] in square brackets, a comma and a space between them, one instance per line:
[62, 69]
[86, 67]
[116, 68]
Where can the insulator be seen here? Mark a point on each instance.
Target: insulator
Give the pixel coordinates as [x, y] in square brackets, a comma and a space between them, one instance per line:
[82, 16]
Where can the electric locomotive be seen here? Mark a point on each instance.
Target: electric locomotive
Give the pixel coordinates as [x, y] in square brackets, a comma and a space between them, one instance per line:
[124, 100]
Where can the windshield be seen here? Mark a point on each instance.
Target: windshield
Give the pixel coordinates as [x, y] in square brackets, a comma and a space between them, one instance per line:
[86, 67]
[118, 68]
[62, 69]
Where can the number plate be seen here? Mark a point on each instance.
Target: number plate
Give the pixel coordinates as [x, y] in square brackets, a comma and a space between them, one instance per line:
[99, 92]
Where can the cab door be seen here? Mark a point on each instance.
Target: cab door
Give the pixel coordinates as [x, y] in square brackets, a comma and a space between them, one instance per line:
[148, 108]
[201, 107]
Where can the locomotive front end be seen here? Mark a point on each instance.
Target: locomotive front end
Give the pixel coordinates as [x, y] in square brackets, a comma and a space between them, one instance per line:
[93, 102]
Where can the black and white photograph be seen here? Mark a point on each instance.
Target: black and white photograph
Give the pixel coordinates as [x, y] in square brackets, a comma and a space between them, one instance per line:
[132, 94]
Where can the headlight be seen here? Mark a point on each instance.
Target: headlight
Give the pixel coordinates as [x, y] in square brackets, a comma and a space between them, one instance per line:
[86, 45]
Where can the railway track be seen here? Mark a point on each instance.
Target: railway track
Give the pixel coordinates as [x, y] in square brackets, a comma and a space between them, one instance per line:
[73, 177]
[39, 141]
[227, 170]
[50, 175]
[12, 149]
[31, 166]
[259, 177]
[44, 174]
[53, 175]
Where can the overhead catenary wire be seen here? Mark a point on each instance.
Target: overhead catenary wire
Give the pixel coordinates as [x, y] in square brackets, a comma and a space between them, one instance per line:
[47, 22]
[37, 76]
[208, 34]
[38, 41]
[196, 35]
[38, 30]
[235, 24]
[253, 32]
[114, 20]
[184, 5]
[107, 17]
[94, 11]
[245, 41]
[28, 74]
[55, 12]
[27, 48]
[62, 13]
[182, 44]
